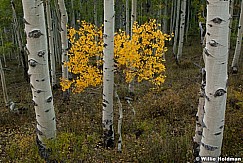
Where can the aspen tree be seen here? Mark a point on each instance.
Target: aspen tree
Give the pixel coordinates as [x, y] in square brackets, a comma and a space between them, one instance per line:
[5, 94]
[165, 20]
[176, 27]
[199, 116]
[35, 29]
[231, 18]
[64, 20]
[127, 17]
[182, 30]
[108, 73]
[235, 62]
[216, 58]
[133, 19]
[51, 44]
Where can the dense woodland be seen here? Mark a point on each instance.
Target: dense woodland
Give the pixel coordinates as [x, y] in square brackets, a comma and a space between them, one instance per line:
[121, 80]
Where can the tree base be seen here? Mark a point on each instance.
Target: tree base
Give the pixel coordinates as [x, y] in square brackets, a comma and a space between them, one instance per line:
[234, 70]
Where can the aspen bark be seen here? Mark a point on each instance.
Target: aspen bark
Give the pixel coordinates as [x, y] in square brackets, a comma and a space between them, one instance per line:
[165, 20]
[235, 62]
[5, 94]
[127, 17]
[64, 20]
[176, 27]
[231, 18]
[216, 58]
[199, 116]
[182, 30]
[108, 73]
[39, 70]
[133, 19]
[51, 44]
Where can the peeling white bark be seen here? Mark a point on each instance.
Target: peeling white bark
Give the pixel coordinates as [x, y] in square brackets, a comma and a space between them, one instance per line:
[216, 58]
[35, 29]
[108, 73]
[235, 62]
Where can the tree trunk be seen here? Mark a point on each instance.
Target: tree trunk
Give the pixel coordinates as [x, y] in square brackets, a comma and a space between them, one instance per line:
[108, 73]
[199, 116]
[5, 94]
[64, 20]
[216, 51]
[176, 27]
[51, 44]
[73, 23]
[235, 62]
[39, 72]
[231, 18]
[165, 20]
[188, 19]
[3, 50]
[133, 19]
[127, 17]
[133, 13]
[182, 30]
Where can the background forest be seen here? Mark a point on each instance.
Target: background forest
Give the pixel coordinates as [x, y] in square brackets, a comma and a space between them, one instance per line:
[158, 123]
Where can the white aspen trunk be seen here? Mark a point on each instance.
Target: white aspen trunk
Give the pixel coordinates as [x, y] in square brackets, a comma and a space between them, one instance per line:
[235, 62]
[133, 13]
[51, 44]
[202, 33]
[231, 18]
[35, 29]
[5, 94]
[182, 30]
[127, 17]
[108, 73]
[199, 116]
[133, 19]
[176, 26]
[216, 57]
[119, 128]
[64, 20]
[165, 20]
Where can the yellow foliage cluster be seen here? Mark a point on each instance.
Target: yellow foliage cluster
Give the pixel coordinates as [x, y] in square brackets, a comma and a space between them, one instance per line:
[142, 54]
[140, 57]
[82, 58]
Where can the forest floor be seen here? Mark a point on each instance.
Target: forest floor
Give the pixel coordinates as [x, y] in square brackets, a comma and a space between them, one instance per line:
[162, 129]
